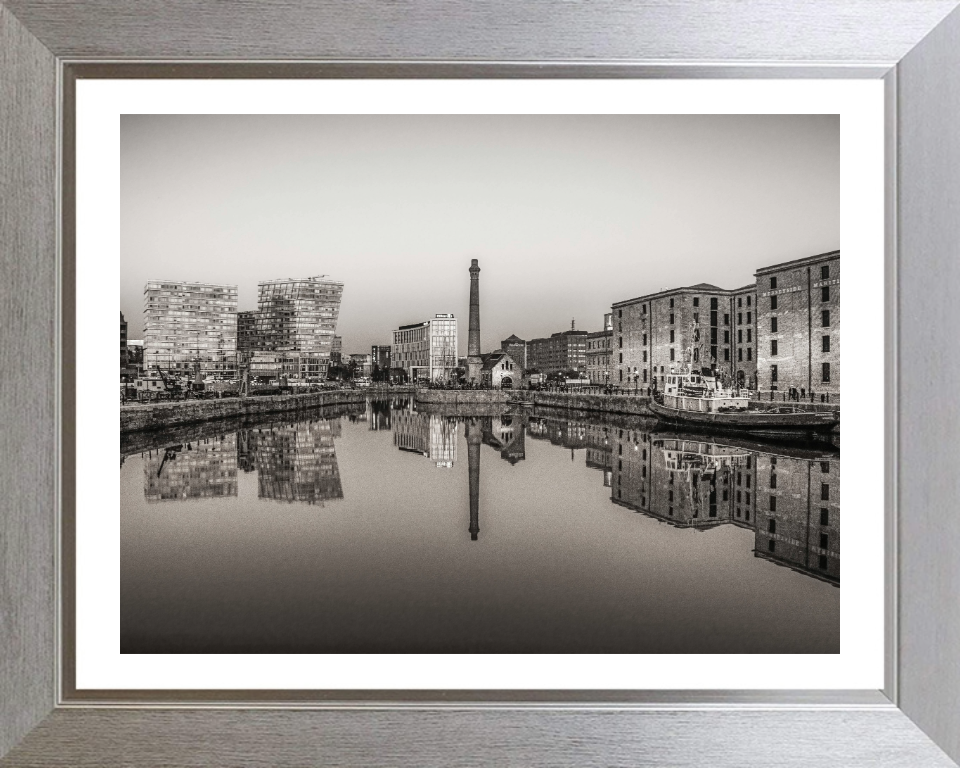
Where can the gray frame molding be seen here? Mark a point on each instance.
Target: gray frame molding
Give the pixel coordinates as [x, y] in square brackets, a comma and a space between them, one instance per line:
[914, 44]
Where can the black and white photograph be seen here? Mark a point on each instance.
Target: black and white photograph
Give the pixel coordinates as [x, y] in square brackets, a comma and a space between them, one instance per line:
[480, 384]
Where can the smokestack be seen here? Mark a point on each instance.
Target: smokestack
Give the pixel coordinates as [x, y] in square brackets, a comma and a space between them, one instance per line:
[474, 438]
[473, 340]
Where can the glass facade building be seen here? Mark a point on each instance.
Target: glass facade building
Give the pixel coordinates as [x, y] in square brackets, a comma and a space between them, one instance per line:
[427, 350]
[190, 327]
[292, 333]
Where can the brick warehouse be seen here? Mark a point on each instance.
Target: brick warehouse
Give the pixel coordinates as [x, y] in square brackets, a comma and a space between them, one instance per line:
[780, 334]
[654, 332]
[798, 320]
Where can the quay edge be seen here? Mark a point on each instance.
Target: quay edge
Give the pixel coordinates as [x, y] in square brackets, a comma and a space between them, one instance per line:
[164, 415]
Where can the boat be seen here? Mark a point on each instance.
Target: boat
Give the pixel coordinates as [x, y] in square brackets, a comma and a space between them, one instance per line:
[698, 397]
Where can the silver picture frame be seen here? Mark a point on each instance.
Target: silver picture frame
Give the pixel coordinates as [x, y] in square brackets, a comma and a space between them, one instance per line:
[913, 45]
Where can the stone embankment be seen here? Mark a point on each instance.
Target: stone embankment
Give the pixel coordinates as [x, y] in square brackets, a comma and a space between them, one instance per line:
[463, 398]
[630, 405]
[466, 396]
[164, 415]
[143, 440]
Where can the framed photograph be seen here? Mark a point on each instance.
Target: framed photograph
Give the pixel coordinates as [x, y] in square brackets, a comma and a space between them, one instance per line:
[479, 384]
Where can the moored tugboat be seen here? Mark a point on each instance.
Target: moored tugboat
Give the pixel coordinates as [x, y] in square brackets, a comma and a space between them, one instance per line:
[697, 397]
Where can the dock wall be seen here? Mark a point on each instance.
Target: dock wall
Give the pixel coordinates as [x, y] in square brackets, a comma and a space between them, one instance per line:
[165, 415]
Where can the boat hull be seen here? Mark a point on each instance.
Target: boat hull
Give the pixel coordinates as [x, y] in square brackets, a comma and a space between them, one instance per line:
[759, 423]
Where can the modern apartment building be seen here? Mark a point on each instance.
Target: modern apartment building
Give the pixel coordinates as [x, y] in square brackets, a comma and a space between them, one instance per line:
[427, 350]
[190, 328]
[564, 351]
[293, 328]
[123, 345]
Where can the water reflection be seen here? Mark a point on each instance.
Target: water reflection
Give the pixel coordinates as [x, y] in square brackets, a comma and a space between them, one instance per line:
[791, 502]
[432, 436]
[201, 469]
[789, 497]
[293, 462]
[599, 534]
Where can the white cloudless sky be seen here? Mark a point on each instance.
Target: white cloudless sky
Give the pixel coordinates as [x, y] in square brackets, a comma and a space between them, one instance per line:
[566, 214]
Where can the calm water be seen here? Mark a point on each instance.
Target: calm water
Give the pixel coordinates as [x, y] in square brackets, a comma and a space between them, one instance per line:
[384, 529]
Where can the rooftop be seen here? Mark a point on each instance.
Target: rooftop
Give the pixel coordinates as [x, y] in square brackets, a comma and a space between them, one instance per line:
[698, 288]
[799, 262]
[493, 359]
[322, 279]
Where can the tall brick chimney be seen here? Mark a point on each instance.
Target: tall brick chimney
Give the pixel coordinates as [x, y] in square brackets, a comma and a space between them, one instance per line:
[473, 340]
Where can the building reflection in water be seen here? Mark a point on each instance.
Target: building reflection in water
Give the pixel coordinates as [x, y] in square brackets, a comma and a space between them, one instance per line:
[430, 435]
[294, 462]
[380, 412]
[200, 469]
[790, 502]
[506, 434]
[788, 497]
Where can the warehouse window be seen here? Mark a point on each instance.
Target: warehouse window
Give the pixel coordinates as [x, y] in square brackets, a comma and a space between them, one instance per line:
[825, 376]
[826, 343]
[773, 302]
[773, 283]
[773, 325]
[825, 293]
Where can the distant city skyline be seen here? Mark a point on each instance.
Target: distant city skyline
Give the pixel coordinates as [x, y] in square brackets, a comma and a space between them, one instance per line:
[566, 214]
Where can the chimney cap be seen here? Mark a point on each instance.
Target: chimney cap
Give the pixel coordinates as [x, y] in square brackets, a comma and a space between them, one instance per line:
[474, 263]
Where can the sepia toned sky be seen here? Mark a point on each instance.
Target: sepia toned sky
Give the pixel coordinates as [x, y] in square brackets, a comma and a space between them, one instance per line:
[566, 214]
